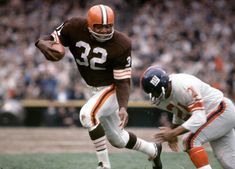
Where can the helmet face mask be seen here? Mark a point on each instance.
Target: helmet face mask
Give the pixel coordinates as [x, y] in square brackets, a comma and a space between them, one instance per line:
[154, 82]
[101, 32]
[156, 98]
[100, 20]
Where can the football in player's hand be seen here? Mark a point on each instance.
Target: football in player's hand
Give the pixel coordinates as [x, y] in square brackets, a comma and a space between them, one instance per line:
[59, 52]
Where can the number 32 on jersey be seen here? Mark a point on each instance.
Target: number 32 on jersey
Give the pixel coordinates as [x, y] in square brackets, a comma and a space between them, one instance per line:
[92, 63]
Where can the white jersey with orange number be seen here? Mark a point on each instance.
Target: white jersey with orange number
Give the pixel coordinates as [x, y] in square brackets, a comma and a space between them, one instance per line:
[204, 111]
[191, 99]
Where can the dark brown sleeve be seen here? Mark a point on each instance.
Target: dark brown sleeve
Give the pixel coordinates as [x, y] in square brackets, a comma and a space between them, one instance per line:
[123, 92]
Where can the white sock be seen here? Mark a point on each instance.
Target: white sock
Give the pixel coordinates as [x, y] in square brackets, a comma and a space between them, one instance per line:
[145, 147]
[205, 167]
[101, 151]
[103, 157]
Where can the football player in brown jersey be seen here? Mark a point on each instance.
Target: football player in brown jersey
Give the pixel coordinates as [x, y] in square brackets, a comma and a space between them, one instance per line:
[103, 58]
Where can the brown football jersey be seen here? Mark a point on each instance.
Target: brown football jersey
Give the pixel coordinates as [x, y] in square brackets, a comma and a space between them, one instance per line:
[97, 61]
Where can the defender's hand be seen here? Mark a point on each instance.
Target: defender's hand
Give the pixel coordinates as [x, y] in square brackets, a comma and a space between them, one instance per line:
[123, 117]
[165, 134]
[173, 144]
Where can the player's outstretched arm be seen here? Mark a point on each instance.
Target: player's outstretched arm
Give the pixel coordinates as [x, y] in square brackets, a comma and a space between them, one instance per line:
[167, 134]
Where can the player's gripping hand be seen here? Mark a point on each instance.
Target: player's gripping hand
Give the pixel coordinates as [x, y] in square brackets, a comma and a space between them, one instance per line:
[123, 117]
[52, 50]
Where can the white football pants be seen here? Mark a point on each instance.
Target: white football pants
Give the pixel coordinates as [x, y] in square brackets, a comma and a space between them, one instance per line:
[219, 131]
[103, 108]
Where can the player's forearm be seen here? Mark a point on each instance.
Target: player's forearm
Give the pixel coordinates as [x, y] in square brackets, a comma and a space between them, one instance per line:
[178, 131]
[174, 125]
[123, 92]
[53, 51]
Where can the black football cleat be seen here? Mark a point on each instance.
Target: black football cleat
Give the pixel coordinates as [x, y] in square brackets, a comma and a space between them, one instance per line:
[157, 163]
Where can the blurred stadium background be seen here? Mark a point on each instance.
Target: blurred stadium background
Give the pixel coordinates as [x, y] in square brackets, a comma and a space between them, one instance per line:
[196, 37]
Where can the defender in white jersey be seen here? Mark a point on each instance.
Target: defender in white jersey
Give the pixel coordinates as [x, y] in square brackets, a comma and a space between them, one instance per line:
[200, 111]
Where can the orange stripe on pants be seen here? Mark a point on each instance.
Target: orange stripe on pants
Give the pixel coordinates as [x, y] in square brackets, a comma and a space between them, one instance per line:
[210, 118]
[102, 99]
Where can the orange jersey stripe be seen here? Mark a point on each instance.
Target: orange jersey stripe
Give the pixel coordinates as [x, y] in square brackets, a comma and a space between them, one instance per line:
[196, 106]
[120, 72]
[129, 73]
[100, 102]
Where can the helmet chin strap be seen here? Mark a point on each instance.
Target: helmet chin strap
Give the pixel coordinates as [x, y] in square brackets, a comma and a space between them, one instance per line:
[157, 100]
[101, 37]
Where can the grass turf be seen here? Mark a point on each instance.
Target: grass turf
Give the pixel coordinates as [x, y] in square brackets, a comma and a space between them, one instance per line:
[88, 161]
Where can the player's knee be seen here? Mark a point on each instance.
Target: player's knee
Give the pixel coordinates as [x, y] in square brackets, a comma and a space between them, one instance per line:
[85, 119]
[117, 142]
[198, 156]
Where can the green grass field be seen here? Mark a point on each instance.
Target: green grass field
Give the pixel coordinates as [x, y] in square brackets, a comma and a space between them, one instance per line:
[88, 161]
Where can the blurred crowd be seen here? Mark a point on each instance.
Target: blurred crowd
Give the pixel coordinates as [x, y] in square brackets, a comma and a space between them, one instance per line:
[196, 37]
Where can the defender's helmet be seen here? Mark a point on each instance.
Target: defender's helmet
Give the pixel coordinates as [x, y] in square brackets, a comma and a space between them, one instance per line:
[154, 81]
[102, 15]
